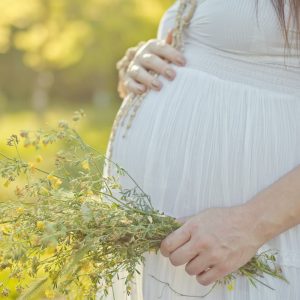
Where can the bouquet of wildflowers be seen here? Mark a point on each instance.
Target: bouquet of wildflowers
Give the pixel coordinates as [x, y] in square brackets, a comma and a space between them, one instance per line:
[76, 229]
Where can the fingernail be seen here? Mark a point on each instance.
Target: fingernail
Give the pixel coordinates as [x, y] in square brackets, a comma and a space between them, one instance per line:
[141, 89]
[170, 74]
[156, 84]
[181, 61]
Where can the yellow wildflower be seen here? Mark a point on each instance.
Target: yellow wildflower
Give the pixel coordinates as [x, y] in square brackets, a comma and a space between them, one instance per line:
[39, 159]
[6, 229]
[31, 166]
[89, 193]
[85, 165]
[51, 177]
[87, 267]
[49, 294]
[51, 249]
[20, 210]
[40, 225]
[55, 182]
[81, 199]
[230, 286]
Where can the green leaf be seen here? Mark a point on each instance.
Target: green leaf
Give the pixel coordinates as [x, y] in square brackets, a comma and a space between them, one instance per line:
[76, 258]
[33, 289]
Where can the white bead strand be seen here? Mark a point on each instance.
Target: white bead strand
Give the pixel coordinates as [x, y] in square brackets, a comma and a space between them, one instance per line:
[132, 102]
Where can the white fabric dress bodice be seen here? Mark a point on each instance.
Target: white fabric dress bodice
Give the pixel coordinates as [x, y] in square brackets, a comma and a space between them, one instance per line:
[240, 40]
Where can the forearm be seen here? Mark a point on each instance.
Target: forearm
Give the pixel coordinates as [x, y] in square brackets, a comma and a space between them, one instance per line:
[277, 208]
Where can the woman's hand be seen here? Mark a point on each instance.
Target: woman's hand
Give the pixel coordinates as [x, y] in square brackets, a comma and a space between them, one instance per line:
[155, 55]
[214, 243]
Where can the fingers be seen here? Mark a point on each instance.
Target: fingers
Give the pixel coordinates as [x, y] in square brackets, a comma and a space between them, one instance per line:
[183, 255]
[140, 75]
[166, 51]
[133, 86]
[158, 65]
[198, 265]
[215, 273]
[156, 56]
[175, 240]
[206, 278]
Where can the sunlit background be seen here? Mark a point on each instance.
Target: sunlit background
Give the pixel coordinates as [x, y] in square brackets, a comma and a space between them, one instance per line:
[57, 56]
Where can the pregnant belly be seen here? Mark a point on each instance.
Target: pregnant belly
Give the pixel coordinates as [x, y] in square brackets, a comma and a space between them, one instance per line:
[204, 141]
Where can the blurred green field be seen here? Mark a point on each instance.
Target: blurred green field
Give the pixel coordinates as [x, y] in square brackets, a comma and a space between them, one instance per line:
[94, 129]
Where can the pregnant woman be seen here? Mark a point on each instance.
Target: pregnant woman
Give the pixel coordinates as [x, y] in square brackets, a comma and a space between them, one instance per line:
[216, 143]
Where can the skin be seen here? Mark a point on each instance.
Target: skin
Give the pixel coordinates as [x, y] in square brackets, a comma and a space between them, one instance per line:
[235, 234]
[156, 55]
[212, 249]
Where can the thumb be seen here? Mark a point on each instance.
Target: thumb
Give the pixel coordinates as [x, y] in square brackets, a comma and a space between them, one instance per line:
[183, 219]
[169, 38]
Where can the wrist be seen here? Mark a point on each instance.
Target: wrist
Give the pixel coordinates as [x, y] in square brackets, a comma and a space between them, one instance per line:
[261, 226]
[276, 209]
[268, 220]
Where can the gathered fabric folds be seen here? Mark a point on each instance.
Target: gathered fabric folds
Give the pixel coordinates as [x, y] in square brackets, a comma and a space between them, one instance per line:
[216, 147]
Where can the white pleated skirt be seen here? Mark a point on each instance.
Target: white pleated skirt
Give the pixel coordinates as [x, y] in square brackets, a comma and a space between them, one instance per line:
[204, 141]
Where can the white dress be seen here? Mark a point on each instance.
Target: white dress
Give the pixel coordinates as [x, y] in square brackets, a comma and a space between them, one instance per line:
[226, 128]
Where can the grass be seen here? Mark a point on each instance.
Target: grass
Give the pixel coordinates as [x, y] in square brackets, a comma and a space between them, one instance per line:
[95, 129]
